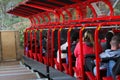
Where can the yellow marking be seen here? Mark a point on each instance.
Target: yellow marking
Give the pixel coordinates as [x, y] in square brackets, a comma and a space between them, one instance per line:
[70, 29]
[40, 30]
[99, 27]
[60, 29]
[83, 28]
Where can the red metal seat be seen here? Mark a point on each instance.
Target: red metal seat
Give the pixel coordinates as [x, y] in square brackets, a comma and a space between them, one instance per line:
[65, 66]
[56, 63]
[108, 78]
[40, 59]
[45, 59]
[118, 77]
[30, 53]
[90, 76]
[35, 56]
[76, 71]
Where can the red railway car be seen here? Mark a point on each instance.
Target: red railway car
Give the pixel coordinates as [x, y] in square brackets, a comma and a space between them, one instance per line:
[54, 21]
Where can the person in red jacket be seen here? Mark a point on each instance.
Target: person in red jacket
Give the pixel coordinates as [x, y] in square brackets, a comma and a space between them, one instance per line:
[88, 48]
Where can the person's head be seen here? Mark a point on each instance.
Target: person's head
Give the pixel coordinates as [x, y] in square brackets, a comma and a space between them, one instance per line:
[108, 38]
[109, 35]
[75, 36]
[88, 37]
[115, 42]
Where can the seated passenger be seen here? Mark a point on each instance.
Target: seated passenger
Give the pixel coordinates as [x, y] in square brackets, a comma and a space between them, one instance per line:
[88, 48]
[110, 55]
[108, 37]
[74, 41]
[63, 51]
[105, 43]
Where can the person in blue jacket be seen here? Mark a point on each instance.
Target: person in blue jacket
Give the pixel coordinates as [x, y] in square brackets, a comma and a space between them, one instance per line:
[109, 55]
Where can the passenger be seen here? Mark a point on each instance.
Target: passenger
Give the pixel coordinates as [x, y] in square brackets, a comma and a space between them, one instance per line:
[88, 48]
[102, 41]
[105, 42]
[26, 49]
[44, 41]
[33, 45]
[74, 40]
[29, 45]
[64, 52]
[38, 46]
[108, 38]
[109, 54]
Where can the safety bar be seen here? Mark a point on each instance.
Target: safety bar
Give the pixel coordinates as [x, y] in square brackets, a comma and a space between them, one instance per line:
[97, 52]
[59, 48]
[52, 47]
[81, 53]
[69, 52]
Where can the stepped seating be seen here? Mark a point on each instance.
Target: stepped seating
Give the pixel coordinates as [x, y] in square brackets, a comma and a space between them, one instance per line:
[16, 72]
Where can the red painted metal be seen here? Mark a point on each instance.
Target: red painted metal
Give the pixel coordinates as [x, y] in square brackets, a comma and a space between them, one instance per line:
[25, 11]
[35, 10]
[30, 9]
[48, 16]
[79, 14]
[41, 47]
[97, 53]
[43, 19]
[19, 14]
[38, 20]
[59, 48]
[52, 48]
[31, 55]
[35, 36]
[57, 2]
[42, 3]
[57, 15]
[81, 53]
[69, 52]
[40, 7]
[93, 24]
[48, 47]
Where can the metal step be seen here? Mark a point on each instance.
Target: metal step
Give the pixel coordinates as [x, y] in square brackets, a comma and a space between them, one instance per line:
[28, 76]
[17, 71]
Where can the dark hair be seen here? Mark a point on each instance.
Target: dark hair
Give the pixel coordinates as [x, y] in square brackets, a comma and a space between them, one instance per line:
[109, 36]
[75, 36]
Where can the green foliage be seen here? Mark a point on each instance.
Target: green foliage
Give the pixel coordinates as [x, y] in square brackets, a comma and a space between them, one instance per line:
[11, 22]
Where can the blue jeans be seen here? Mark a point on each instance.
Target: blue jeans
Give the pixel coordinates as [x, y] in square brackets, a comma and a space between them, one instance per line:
[110, 66]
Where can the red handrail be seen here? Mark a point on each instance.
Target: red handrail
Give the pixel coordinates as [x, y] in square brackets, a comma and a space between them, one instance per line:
[97, 52]
[41, 46]
[81, 53]
[59, 48]
[69, 52]
[52, 48]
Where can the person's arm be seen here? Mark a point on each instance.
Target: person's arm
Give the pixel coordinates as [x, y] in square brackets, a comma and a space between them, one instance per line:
[105, 54]
[76, 50]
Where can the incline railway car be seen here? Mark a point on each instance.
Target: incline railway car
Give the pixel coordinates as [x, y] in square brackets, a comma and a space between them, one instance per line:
[57, 26]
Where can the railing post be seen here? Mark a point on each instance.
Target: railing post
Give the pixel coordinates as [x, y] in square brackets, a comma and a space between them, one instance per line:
[59, 48]
[81, 53]
[97, 52]
[69, 52]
